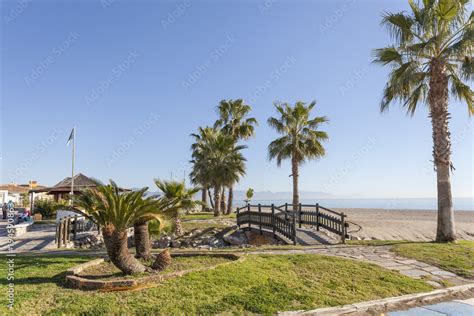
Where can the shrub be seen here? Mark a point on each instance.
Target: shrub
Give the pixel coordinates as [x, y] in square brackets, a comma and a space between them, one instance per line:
[47, 208]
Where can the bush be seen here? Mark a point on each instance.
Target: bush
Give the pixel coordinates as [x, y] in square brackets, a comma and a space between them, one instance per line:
[47, 208]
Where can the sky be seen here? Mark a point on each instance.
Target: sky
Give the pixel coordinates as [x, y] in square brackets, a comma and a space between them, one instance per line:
[136, 78]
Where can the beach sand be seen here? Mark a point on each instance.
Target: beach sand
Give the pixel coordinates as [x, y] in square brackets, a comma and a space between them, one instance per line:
[414, 225]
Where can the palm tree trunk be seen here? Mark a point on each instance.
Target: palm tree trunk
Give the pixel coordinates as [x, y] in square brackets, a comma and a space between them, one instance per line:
[142, 240]
[229, 201]
[223, 201]
[217, 201]
[117, 250]
[210, 198]
[438, 100]
[296, 196]
[204, 200]
[178, 228]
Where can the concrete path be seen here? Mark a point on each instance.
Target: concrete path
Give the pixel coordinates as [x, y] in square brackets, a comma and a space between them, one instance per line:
[41, 237]
[456, 307]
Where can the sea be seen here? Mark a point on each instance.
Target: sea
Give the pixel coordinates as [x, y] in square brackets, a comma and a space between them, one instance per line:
[459, 204]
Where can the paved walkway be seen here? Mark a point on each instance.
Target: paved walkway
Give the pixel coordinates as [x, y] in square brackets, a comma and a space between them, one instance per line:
[456, 307]
[41, 237]
[382, 256]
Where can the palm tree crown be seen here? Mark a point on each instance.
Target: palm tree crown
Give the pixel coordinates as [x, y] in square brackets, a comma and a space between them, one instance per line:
[301, 138]
[435, 37]
[233, 119]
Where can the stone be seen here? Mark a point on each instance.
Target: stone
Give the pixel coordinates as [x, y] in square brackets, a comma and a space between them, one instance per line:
[164, 242]
[237, 238]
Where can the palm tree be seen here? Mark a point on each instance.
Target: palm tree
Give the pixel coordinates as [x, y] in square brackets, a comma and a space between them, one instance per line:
[430, 58]
[234, 121]
[115, 211]
[141, 232]
[199, 175]
[301, 138]
[181, 197]
[219, 160]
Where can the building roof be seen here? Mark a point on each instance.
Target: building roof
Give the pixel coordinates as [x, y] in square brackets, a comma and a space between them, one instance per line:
[81, 182]
[19, 188]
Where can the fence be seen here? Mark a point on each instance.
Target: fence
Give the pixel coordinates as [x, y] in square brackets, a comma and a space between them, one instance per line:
[68, 227]
[283, 219]
[268, 217]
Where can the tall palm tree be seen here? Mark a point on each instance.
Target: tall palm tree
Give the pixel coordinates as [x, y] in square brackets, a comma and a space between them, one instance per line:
[301, 138]
[431, 58]
[181, 197]
[234, 121]
[220, 161]
[115, 211]
[199, 175]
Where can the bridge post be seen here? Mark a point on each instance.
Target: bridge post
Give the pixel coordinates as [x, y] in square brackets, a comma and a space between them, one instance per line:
[317, 216]
[294, 228]
[250, 217]
[260, 217]
[273, 220]
[286, 211]
[343, 228]
[299, 215]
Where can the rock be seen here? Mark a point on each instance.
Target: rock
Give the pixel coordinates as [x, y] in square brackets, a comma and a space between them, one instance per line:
[237, 238]
[175, 243]
[163, 242]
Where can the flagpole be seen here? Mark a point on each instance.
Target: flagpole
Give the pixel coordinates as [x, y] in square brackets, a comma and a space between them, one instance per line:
[73, 158]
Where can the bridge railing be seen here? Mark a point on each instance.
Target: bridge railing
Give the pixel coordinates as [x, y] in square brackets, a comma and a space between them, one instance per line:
[283, 219]
[268, 217]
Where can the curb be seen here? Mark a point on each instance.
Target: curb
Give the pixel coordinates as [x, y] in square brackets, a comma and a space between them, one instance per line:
[385, 304]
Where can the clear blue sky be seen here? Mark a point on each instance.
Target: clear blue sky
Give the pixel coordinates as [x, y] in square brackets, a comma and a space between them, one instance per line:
[137, 77]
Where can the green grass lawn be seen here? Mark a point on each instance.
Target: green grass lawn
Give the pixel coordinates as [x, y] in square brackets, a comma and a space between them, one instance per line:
[205, 215]
[455, 257]
[260, 284]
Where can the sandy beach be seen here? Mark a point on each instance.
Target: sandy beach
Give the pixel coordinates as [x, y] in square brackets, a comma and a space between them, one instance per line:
[415, 225]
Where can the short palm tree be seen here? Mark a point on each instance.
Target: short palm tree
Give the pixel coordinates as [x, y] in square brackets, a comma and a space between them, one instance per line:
[234, 121]
[219, 160]
[182, 199]
[115, 211]
[301, 138]
[431, 59]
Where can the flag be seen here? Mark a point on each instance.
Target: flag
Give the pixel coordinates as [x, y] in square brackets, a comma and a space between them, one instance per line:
[72, 135]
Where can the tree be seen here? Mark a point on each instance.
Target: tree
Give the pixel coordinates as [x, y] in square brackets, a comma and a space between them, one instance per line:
[199, 175]
[217, 161]
[181, 197]
[234, 121]
[115, 211]
[248, 195]
[430, 59]
[301, 138]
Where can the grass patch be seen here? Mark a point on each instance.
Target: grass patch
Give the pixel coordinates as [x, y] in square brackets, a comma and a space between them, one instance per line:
[261, 284]
[107, 271]
[205, 215]
[454, 257]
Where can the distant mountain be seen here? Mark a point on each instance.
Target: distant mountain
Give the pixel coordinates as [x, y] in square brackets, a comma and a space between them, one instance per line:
[284, 195]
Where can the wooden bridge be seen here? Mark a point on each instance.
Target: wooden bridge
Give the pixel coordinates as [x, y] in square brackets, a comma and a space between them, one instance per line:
[294, 226]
